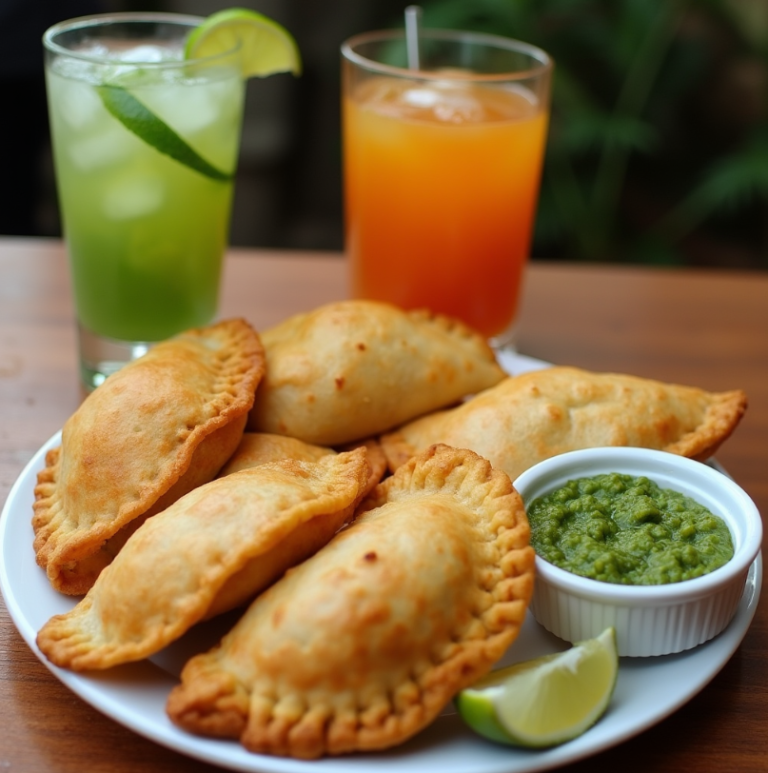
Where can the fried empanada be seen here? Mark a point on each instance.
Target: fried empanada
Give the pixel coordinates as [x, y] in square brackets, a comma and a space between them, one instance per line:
[153, 431]
[211, 551]
[354, 369]
[260, 447]
[362, 645]
[257, 448]
[528, 418]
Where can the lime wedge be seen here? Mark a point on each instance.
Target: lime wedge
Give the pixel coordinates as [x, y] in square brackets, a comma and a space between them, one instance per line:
[545, 701]
[140, 120]
[266, 46]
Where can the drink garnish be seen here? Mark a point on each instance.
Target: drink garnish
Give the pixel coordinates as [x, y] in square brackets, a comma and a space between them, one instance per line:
[266, 47]
[139, 119]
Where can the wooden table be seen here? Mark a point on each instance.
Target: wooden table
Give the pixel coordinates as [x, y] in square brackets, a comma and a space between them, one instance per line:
[693, 327]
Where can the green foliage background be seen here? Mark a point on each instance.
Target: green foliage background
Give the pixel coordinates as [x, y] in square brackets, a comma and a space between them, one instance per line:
[658, 144]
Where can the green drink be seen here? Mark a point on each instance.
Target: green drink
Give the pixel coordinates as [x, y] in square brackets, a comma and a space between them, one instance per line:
[145, 147]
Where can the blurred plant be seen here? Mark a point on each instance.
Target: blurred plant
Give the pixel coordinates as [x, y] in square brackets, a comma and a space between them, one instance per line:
[659, 132]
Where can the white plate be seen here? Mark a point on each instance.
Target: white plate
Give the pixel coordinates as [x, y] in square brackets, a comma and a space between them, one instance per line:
[647, 690]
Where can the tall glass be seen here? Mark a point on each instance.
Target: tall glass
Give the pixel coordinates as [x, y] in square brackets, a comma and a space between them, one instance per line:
[145, 147]
[442, 165]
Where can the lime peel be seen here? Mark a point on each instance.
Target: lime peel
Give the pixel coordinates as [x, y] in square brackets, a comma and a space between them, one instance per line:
[266, 47]
[545, 701]
[140, 120]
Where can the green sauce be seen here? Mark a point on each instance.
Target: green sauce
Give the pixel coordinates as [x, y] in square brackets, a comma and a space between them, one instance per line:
[621, 529]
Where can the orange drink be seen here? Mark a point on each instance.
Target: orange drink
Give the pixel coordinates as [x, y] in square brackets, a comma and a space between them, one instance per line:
[442, 171]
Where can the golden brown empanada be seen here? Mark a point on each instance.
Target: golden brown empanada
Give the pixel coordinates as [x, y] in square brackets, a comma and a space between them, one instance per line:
[363, 644]
[260, 447]
[210, 551]
[257, 448]
[536, 415]
[353, 369]
[154, 430]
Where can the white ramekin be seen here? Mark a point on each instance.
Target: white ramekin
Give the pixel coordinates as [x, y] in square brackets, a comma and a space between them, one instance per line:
[649, 620]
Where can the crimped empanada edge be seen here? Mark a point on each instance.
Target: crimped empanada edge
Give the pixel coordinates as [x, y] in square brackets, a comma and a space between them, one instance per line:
[721, 418]
[238, 381]
[455, 327]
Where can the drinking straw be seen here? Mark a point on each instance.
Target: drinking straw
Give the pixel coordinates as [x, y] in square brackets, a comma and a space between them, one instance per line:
[412, 22]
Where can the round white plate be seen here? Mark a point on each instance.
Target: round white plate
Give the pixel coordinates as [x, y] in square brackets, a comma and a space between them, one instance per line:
[647, 690]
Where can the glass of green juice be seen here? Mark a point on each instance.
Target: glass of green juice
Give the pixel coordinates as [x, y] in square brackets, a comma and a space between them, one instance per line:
[145, 146]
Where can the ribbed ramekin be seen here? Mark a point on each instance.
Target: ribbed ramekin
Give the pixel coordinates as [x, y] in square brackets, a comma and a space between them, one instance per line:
[652, 619]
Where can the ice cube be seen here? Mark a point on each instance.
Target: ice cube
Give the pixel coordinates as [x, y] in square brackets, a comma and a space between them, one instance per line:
[135, 66]
[77, 104]
[228, 95]
[442, 101]
[99, 150]
[424, 98]
[456, 109]
[448, 103]
[186, 108]
[132, 197]
[74, 70]
[146, 53]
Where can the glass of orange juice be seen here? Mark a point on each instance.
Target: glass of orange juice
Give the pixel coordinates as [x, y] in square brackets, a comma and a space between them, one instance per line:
[442, 164]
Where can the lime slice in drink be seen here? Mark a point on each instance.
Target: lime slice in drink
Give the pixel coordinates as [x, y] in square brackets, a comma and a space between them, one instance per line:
[545, 701]
[266, 46]
[140, 120]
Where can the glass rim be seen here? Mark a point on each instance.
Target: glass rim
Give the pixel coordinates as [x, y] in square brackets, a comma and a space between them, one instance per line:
[544, 62]
[103, 19]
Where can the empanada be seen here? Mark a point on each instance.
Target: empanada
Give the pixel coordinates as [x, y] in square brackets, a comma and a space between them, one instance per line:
[154, 430]
[257, 448]
[260, 447]
[210, 551]
[353, 369]
[536, 415]
[363, 644]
